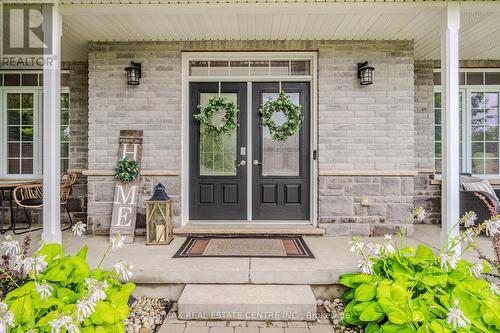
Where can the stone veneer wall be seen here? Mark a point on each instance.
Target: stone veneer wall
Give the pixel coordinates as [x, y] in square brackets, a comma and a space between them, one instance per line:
[360, 128]
[77, 80]
[428, 193]
[342, 212]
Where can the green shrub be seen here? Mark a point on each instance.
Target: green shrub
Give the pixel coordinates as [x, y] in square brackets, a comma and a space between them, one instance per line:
[63, 294]
[403, 289]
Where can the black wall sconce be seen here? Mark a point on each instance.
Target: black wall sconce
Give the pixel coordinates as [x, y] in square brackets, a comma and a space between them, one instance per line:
[133, 73]
[365, 73]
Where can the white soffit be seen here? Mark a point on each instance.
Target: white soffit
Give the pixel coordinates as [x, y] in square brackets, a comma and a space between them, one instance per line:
[184, 20]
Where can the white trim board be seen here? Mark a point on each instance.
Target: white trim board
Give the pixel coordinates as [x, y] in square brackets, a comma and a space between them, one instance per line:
[234, 56]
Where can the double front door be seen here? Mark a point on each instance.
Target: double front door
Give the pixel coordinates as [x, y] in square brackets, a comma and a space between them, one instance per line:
[247, 175]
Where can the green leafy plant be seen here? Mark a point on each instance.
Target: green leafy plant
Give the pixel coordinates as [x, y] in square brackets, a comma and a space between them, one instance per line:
[291, 111]
[405, 289]
[126, 170]
[206, 114]
[63, 292]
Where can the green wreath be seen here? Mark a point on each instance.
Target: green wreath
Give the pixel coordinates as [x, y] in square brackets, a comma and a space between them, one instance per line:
[291, 112]
[205, 117]
[126, 170]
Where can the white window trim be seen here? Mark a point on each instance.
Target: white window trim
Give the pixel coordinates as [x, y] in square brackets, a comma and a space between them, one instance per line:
[466, 107]
[37, 130]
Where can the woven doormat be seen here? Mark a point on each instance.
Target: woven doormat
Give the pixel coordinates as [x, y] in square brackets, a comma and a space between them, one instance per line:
[245, 246]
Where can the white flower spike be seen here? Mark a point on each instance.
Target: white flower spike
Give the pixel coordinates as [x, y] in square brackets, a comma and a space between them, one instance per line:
[44, 290]
[84, 309]
[34, 265]
[469, 219]
[117, 241]
[366, 266]
[492, 228]
[124, 270]
[11, 246]
[63, 322]
[374, 250]
[449, 259]
[357, 247]
[79, 229]
[476, 270]
[6, 318]
[456, 318]
[468, 236]
[96, 289]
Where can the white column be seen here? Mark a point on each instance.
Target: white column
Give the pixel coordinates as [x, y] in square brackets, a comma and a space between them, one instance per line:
[52, 30]
[450, 121]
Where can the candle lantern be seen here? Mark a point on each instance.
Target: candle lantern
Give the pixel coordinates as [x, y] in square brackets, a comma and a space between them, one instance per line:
[159, 217]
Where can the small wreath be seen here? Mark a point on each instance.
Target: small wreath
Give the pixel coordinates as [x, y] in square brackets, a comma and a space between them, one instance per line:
[291, 112]
[205, 117]
[126, 170]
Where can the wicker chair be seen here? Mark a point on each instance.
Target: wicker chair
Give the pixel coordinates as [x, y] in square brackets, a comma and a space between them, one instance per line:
[31, 197]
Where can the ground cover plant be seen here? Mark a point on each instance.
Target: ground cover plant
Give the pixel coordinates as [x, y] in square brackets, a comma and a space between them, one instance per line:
[406, 289]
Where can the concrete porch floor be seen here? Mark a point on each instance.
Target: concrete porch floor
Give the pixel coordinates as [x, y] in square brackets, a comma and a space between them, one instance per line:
[155, 267]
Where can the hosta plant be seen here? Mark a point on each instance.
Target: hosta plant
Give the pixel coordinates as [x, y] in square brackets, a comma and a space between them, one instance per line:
[406, 289]
[61, 293]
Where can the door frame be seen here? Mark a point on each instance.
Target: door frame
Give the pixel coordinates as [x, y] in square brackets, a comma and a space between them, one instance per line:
[187, 57]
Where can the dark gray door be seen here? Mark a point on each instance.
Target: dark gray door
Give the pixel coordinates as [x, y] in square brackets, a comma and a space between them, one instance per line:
[218, 186]
[281, 169]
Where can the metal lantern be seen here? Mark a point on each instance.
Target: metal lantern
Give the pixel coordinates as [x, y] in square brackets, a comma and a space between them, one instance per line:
[365, 73]
[134, 73]
[159, 217]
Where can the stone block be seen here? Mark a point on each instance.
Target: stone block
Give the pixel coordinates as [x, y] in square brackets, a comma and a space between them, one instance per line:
[360, 229]
[336, 229]
[336, 206]
[362, 189]
[104, 191]
[407, 186]
[360, 210]
[376, 210]
[382, 229]
[390, 186]
[398, 212]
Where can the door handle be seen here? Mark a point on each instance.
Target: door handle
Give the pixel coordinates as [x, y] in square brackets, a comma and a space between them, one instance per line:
[256, 162]
[242, 163]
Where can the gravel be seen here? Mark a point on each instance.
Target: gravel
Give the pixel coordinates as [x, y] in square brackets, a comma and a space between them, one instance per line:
[335, 311]
[146, 314]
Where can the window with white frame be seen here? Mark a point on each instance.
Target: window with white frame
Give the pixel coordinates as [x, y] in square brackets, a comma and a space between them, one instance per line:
[21, 121]
[479, 121]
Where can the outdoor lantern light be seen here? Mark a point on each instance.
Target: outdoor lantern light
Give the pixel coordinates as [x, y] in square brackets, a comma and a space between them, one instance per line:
[159, 217]
[133, 73]
[365, 73]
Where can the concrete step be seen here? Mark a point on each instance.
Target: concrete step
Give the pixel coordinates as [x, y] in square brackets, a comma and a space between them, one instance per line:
[247, 302]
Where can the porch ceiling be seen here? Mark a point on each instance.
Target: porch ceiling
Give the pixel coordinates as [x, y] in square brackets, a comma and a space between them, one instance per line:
[479, 36]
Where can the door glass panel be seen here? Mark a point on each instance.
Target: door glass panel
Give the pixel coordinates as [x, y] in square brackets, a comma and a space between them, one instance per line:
[280, 158]
[20, 124]
[218, 158]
